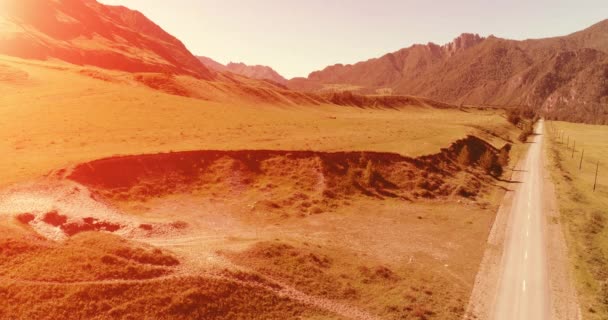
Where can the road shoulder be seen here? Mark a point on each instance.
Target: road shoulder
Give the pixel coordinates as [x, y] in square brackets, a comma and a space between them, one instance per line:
[564, 301]
[485, 289]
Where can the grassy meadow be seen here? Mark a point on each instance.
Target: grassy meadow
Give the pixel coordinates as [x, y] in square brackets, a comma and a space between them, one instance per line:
[584, 212]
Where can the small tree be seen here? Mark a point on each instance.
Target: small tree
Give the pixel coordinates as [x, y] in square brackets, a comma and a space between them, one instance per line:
[497, 169]
[368, 174]
[351, 175]
[464, 157]
[526, 132]
[487, 161]
[527, 112]
[503, 157]
[513, 117]
[536, 118]
[490, 162]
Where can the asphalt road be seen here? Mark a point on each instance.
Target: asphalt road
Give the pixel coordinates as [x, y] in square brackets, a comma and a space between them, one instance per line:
[523, 291]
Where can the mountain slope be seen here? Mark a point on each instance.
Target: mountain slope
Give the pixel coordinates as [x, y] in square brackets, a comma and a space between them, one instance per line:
[254, 72]
[85, 32]
[212, 64]
[566, 77]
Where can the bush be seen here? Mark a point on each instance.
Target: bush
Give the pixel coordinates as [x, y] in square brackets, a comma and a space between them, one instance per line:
[25, 218]
[526, 132]
[490, 164]
[496, 170]
[518, 114]
[487, 160]
[513, 117]
[503, 156]
[528, 112]
[535, 119]
[368, 174]
[464, 157]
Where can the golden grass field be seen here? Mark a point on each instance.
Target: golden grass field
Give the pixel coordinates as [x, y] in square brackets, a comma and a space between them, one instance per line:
[77, 118]
[364, 227]
[583, 212]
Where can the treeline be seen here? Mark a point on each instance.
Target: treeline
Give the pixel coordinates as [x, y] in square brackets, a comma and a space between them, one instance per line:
[590, 113]
[596, 113]
[524, 118]
[490, 162]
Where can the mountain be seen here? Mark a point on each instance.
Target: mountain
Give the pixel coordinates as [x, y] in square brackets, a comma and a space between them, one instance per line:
[254, 72]
[85, 32]
[212, 64]
[117, 45]
[565, 77]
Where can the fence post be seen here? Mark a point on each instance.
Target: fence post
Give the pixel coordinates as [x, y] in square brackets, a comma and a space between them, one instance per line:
[597, 166]
[580, 165]
[573, 148]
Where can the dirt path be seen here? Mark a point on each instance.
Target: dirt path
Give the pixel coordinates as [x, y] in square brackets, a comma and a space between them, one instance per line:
[524, 271]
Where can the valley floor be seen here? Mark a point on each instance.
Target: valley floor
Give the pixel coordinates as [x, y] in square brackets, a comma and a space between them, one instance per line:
[287, 211]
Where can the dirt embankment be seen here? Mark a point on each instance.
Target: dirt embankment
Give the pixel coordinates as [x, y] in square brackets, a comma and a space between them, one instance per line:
[307, 180]
[346, 98]
[271, 93]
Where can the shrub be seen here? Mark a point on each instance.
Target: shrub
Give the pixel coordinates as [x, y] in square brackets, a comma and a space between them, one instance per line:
[368, 174]
[526, 132]
[496, 169]
[503, 157]
[535, 118]
[528, 112]
[54, 218]
[486, 160]
[351, 175]
[464, 157]
[491, 164]
[25, 218]
[513, 117]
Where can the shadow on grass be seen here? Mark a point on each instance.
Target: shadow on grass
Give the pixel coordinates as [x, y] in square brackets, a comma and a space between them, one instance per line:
[509, 181]
[503, 188]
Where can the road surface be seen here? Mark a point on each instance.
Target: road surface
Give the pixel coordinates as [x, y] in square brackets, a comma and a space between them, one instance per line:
[523, 289]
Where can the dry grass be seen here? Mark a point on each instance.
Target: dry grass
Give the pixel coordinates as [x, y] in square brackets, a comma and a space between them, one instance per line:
[583, 212]
[85, 257]
[43, 118]
[92, 276]
[180, 298]
[391, 291]
[288, 182]
[383, 235]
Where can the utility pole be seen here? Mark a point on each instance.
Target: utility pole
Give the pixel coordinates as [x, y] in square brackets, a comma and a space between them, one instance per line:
[597, 166]
[580, 165]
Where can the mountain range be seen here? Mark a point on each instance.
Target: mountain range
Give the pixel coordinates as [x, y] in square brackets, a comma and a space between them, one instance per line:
[255, 71]
[566, 77]
[85, 32]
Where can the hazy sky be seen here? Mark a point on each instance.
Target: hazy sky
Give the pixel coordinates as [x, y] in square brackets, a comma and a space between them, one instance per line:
[296, 37]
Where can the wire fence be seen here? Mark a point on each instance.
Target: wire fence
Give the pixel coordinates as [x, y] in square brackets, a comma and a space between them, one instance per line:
[561, 137]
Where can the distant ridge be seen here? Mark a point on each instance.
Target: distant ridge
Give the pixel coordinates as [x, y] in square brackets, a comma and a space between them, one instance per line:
[565, 77]
[254, 72]
[86, 32]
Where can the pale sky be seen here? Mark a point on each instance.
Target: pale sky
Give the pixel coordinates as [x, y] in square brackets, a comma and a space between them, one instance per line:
[296, 37]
